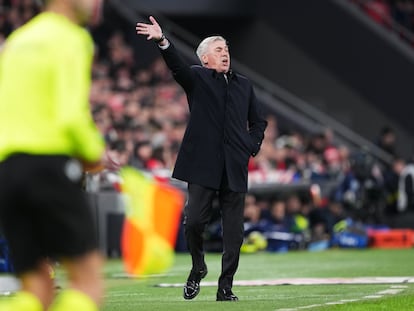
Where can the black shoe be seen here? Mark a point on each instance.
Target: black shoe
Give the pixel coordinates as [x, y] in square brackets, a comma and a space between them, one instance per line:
[226, 295]
[192, 287]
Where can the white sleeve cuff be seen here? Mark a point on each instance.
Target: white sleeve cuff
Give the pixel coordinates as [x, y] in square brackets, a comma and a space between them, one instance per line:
[164, 47]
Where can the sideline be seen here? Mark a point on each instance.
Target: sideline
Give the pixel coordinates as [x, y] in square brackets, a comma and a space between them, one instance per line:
[309, 281]
[393, 290]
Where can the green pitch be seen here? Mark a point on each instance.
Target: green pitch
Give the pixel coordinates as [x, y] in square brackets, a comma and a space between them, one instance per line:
[125, 294]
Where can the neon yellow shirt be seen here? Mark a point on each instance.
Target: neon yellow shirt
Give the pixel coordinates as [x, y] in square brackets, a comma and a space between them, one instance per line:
[44, 90]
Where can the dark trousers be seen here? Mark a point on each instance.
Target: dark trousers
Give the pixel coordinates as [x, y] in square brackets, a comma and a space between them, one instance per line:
[197, 215]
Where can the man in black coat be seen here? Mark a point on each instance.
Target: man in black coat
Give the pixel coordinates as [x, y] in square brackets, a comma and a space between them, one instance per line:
[225, 128]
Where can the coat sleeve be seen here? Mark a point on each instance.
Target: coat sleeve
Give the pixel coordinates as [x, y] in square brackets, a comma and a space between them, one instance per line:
[181, 71]
[256, 122]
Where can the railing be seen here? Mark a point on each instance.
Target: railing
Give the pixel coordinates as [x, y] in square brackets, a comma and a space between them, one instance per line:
[272, 95]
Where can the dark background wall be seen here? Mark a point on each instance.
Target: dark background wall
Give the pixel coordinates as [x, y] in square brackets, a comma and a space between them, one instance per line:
[373, 69]
[212, 8]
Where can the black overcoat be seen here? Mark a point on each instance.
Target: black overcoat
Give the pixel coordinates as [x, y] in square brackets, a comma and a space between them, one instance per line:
[226, 125]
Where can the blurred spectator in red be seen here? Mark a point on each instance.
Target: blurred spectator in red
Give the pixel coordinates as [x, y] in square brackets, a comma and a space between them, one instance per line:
[378, 10]
[333, 160]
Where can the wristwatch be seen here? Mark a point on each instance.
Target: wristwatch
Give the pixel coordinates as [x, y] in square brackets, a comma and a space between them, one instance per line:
[160, 39]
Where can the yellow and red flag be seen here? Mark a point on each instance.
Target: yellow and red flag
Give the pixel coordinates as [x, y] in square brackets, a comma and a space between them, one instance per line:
[151, 224]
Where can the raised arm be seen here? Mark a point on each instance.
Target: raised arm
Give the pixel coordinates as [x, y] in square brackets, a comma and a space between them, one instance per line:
[180, 69]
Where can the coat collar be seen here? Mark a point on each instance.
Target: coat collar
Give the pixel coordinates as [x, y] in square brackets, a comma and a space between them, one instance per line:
[231, 75]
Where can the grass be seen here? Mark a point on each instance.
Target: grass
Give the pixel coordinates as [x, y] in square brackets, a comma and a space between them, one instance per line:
[141, 294]
[132, 294]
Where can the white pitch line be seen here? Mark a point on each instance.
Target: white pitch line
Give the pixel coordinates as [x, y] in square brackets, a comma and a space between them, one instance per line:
[308, 281]
[390, 291]
[309, 307]
[393, 290]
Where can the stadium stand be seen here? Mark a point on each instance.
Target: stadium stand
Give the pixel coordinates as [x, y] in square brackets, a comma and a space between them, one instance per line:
[142, 114]
[395, 15]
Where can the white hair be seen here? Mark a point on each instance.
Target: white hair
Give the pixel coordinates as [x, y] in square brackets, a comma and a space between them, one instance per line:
[203, 46]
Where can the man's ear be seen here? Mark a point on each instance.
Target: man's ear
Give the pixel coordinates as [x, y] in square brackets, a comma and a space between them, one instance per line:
[204, 59]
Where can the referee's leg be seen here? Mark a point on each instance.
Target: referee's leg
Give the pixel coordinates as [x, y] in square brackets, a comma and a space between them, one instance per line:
[86, 284]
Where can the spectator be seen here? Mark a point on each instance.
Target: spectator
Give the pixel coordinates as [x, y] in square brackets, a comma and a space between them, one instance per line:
[379, 11]
[391, 182]
[293, 209]
[142, 155]
[278, 219]
[387, 140]
[402, 12]
[252, 214]
[406, 188]
[322, 220]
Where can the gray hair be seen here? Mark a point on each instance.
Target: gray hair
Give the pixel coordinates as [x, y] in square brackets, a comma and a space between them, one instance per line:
[203, 46]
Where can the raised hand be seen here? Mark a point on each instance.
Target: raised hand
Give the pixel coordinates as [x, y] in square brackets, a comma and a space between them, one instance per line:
[152, 31]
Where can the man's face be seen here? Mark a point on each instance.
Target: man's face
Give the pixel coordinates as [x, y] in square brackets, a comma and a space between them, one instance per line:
[217, 56]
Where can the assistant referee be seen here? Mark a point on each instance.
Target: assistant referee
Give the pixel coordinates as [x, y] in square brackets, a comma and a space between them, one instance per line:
[46, 132]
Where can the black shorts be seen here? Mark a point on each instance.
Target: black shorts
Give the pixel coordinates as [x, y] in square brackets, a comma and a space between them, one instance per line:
[43, 210]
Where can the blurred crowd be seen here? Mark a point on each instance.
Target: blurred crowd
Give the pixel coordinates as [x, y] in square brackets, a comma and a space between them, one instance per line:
[142, 114]
[397, 15]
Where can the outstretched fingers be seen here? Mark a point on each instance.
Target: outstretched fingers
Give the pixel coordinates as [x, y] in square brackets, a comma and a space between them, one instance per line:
[152, 30]
[142, 29]
[153, 21]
